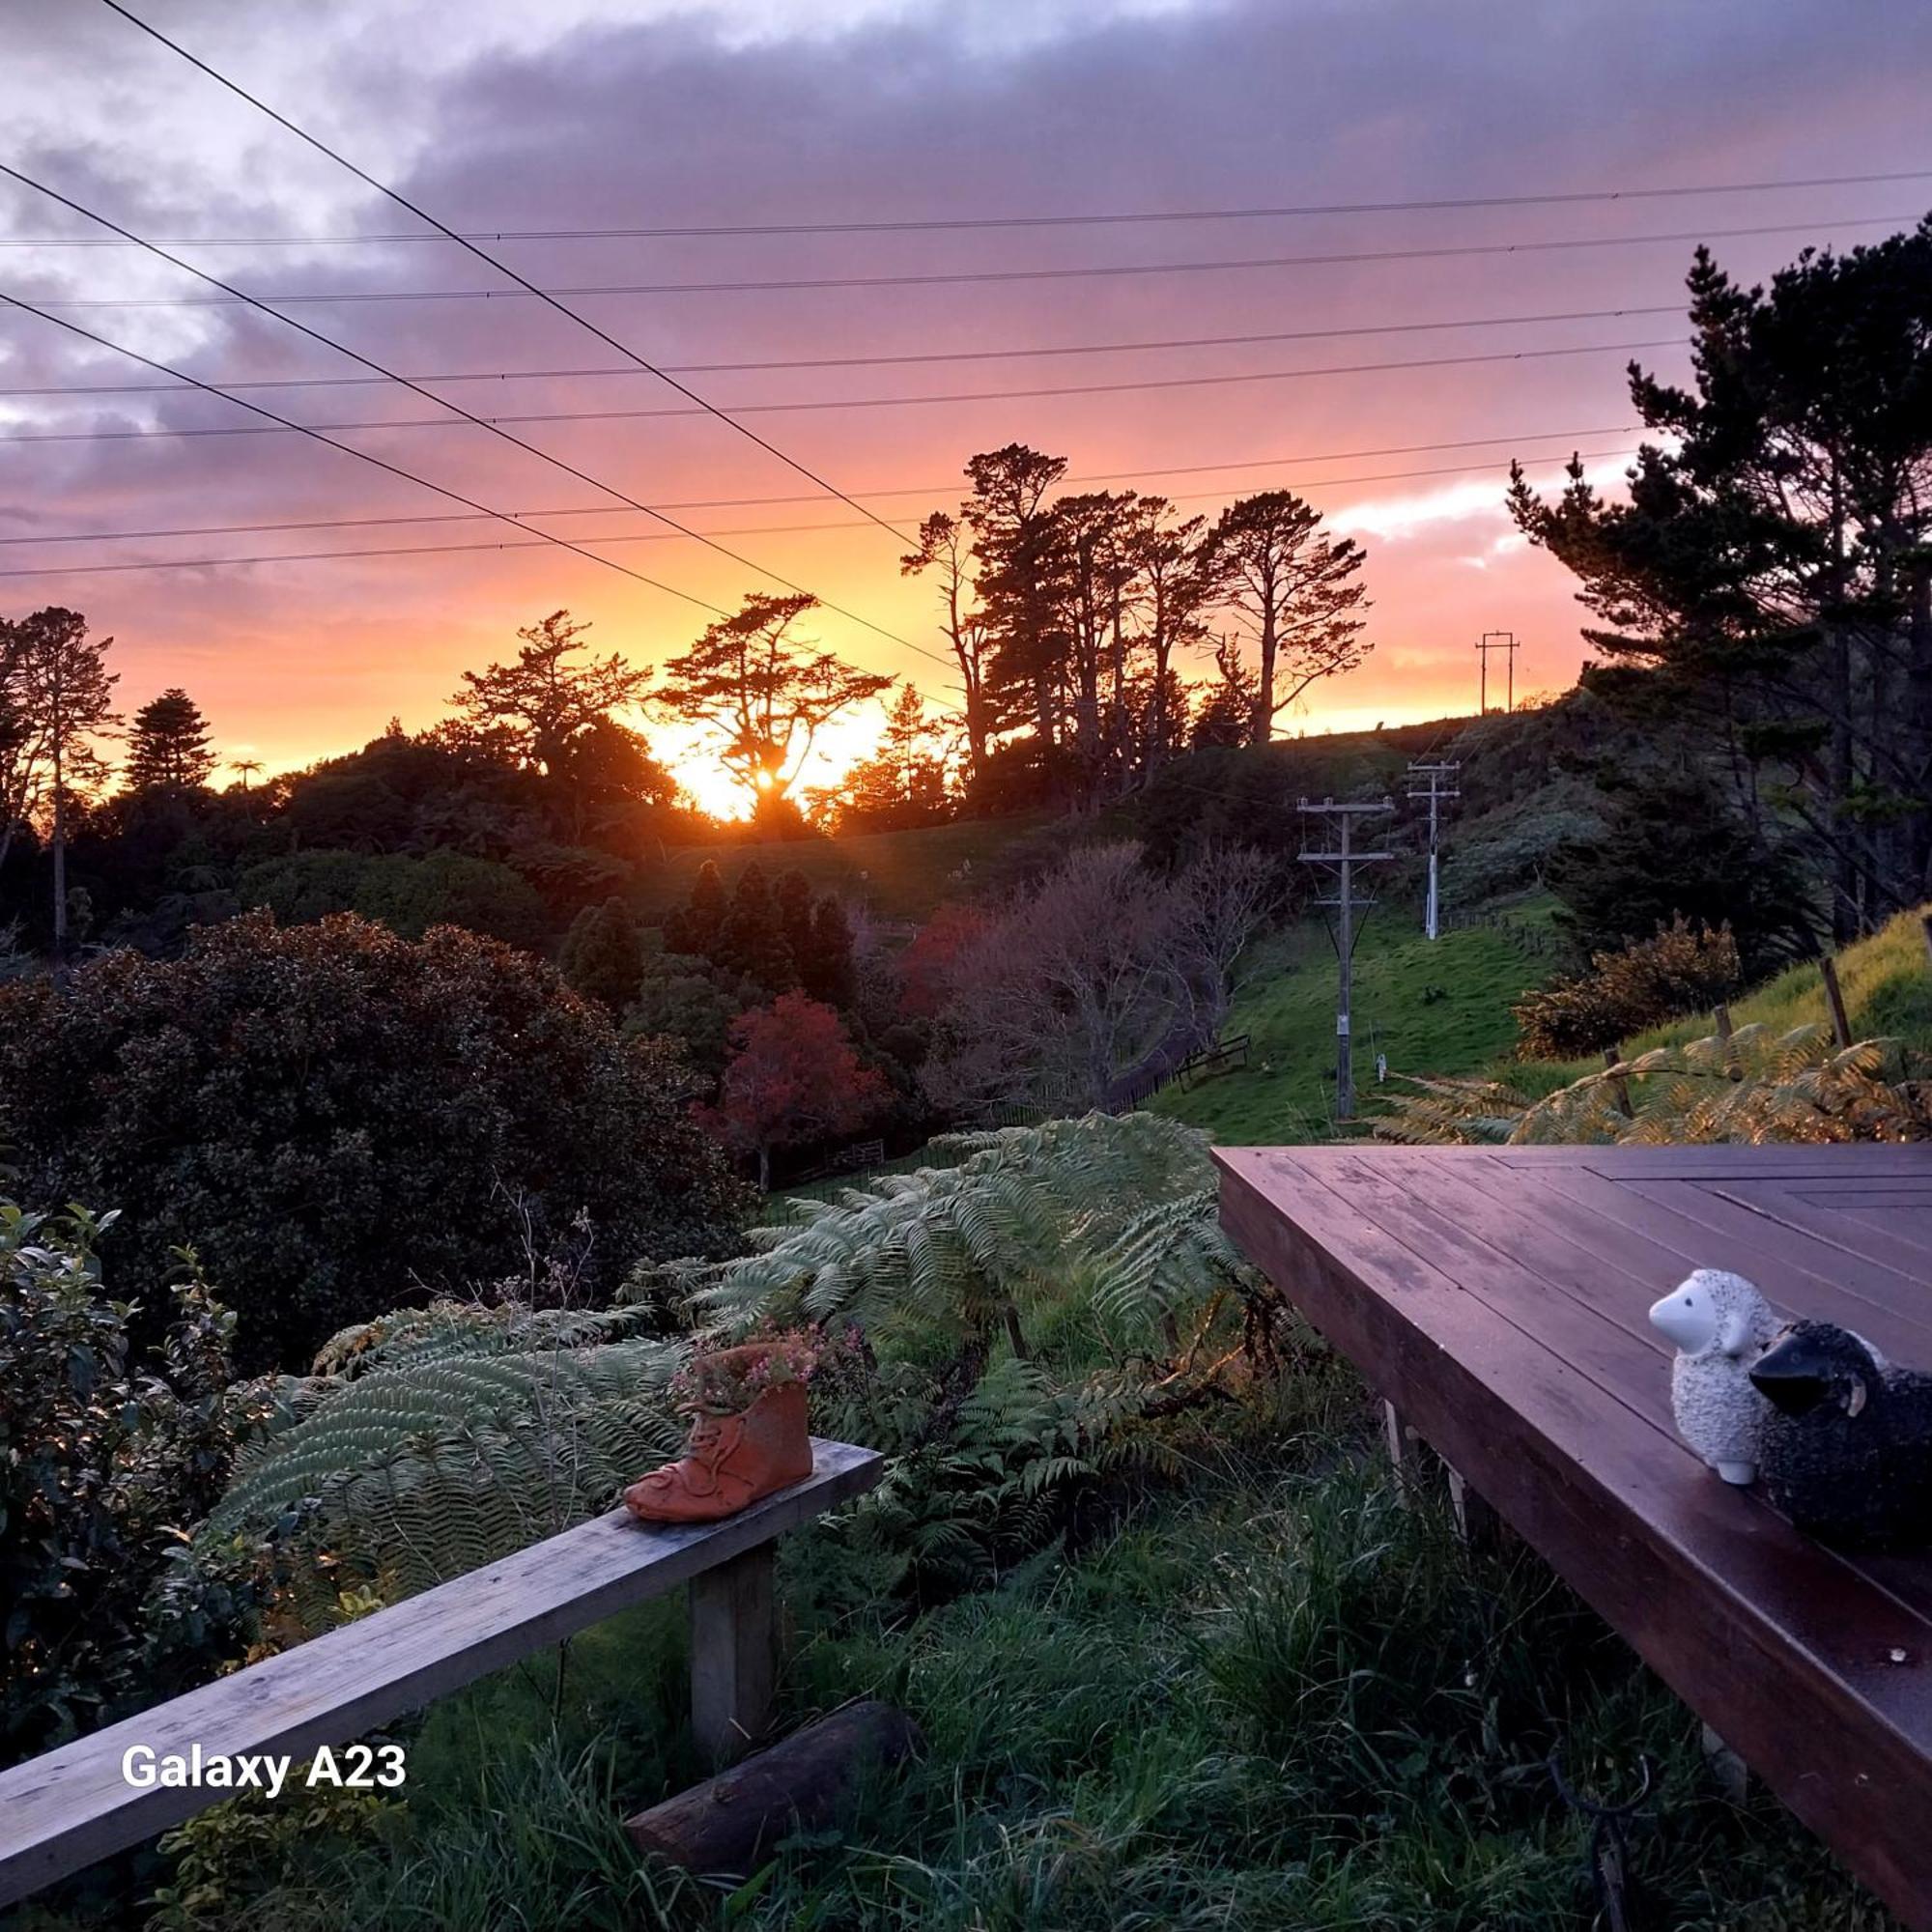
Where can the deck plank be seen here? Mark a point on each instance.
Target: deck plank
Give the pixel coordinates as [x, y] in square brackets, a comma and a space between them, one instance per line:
[1426, 1268]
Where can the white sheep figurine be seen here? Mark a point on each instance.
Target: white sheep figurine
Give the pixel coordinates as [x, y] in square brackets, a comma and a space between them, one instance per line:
[1720, 1325]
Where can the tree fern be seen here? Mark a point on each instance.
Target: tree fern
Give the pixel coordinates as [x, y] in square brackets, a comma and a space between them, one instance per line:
[430, 1460]
[1132, 1198]
[1753, 1086]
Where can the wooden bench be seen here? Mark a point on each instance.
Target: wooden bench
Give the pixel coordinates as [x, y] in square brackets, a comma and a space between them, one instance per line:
[1496, 1298]
[63, 1810]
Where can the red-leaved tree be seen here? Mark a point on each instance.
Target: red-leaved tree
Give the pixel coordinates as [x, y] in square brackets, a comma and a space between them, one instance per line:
[793, 1077]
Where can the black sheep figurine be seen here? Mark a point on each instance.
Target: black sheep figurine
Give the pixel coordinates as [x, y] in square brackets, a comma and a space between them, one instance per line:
[1847, 1451]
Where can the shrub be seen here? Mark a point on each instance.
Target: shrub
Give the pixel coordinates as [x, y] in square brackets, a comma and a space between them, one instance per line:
[408, 894]
[1681, 969]
[602, 956]
[339, 1116]
[100, 1467]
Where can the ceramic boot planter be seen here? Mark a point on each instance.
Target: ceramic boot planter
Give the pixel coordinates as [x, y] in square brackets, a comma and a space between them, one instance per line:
[730, 1460]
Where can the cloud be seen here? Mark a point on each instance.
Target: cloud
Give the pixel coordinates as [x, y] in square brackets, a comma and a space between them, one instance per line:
[587, 113]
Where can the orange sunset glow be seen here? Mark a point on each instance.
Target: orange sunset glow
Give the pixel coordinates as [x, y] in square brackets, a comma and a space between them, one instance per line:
[1386, 360]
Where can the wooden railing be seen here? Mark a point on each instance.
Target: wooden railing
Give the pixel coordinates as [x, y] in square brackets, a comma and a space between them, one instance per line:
[63, 1810]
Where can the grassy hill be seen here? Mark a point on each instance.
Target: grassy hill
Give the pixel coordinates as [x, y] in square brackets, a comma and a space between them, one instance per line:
[1431, 1008]
[1884, 978]
[1284, 1094]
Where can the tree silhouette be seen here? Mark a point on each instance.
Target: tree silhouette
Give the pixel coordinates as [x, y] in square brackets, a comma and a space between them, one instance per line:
[943, 547]
[59, 698]
[168, 747]
[554, 716]
[762, 692]
[903, 782]
[1770, 573]
[1298, 589]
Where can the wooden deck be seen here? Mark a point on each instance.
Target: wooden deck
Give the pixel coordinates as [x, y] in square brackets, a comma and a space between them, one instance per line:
[1498, 1298]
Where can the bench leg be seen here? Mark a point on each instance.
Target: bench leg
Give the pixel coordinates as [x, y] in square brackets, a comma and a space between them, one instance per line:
[733, 1654]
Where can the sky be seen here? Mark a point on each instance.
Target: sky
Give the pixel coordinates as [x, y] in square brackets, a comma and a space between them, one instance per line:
[497, 116]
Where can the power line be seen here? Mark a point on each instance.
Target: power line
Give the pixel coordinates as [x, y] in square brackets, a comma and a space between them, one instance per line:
[952, 277]
[362, 455]
[647, 537]
[1008, 355]
[822, 403]
[953, 224]
[502, 268]
[898, 489]
[368, 362]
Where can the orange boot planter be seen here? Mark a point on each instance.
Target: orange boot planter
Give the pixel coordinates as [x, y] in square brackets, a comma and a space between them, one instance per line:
[748, 1438]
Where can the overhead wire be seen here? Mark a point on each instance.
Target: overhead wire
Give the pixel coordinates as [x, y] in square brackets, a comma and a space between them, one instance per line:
[954, 277]
[364, 455]
[502, 268]
[647, 537]
[927, 490]
[824, 402]
[937, 224]
[457, 408]
[815, 363]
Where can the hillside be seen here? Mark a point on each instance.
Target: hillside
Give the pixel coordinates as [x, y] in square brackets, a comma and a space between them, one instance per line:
[1884, 980]
[1431, 1007]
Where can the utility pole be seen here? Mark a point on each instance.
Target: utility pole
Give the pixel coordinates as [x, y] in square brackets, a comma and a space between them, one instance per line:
[1497, 641]
[1342, 858]
[1433, 777]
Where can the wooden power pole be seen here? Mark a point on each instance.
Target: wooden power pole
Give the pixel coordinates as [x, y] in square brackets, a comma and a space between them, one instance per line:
[1434, 778]
[1497, 641]
[1340, 859]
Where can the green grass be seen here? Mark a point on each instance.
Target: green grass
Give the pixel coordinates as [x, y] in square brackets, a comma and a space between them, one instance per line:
[1285, 1093]
[1884, 978]
[901, 875]
[1278, 1698]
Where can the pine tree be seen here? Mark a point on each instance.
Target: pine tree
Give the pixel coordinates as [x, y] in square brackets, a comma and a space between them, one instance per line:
[792, 898]
[903, 782]
[751, 941]
[1298, 588]
[59, 700]
[168, 748]
[827, 966]
[603, 956]
[696, 928]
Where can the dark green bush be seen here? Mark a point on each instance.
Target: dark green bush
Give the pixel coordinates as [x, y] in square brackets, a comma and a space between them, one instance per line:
[1681, 969]
[342, 1119]
[101, 1464]
[406, 894]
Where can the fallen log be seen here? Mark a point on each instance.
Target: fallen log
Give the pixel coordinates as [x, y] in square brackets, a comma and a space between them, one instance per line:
[727, 1826]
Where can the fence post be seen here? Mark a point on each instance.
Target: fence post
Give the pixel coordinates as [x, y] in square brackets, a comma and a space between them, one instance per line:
[733, 1654]
[1841, 1025]
[1613, 1058]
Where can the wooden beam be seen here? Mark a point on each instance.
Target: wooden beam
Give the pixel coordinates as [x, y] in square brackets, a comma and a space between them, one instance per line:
[727, 1827]
[734, 1655]
[64, 1810]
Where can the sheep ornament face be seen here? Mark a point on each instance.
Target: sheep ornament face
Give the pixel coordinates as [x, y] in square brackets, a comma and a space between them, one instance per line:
[1719, 1324]
[1848, 1443]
